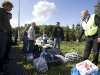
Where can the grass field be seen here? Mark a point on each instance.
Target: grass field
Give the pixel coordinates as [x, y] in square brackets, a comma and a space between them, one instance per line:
[65, 68]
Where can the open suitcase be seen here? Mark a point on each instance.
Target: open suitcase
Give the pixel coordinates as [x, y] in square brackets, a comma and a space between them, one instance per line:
[52, 60]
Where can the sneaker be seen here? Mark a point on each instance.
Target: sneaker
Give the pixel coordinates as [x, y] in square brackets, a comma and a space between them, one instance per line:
[23, 56]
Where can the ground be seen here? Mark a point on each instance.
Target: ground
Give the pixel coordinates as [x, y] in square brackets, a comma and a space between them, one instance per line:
[14, 66]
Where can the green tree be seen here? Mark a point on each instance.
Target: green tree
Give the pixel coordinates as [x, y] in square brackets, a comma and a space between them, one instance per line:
[78, 27]
[97, 8]
[73, 33]
[67, 33]
[37, 31]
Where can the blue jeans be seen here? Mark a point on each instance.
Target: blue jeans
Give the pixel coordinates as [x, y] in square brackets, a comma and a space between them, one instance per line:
[57, 41]
[3, 45]
[25, 45]
[31, 46]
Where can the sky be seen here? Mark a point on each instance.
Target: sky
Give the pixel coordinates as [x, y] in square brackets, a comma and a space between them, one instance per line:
[47, 12]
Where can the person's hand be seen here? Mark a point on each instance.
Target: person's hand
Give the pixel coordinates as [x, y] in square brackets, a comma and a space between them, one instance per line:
[77, 41]
[98, 40]
[5, 31]
[34, 41]
[51, 38]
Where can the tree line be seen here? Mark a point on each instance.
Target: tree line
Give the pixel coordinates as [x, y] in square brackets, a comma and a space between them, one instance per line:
[70, 34]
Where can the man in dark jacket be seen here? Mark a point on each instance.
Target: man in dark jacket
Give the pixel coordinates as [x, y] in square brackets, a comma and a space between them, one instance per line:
[58, 35]
[6, 56]
[91, 28]
[4, 28]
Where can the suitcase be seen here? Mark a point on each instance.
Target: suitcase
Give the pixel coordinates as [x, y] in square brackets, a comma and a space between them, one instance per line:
[54, 51]
[52, 60]
[55, 61]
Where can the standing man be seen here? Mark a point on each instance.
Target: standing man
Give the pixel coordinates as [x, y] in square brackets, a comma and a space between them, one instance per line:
[4, 28]
[58, 35]
[91, 28]
[6, 56]
[31, 37]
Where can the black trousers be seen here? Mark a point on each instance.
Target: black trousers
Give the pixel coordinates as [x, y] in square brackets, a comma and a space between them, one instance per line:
[91, 42]
[3, 44]
[9, 43]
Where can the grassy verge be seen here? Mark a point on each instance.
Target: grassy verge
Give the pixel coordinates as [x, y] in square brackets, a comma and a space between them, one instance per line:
[64, 69]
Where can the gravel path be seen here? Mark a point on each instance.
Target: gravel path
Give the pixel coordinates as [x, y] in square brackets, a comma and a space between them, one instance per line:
[14, 67]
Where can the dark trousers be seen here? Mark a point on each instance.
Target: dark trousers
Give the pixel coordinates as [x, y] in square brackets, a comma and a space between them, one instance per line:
[31, 46]
[45, 41]
[9, 43]
[91, 42]
[3, 44]
[25, 45]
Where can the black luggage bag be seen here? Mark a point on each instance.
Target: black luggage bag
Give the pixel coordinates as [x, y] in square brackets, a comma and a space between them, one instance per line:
[52, 60]
[55, 61]
[37, 51]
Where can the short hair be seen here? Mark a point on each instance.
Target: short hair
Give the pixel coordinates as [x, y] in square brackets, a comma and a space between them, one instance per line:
[26, 27]
[33, 23]
[6, 3]
[44, 32]
[58, 22]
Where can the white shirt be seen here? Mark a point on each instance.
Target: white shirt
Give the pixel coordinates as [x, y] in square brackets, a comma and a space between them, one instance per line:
[31, 29]
[44, 36]
[86, 19]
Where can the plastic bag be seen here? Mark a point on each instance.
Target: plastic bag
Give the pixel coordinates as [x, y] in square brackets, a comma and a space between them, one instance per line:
[40, 64]
[30, 57]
